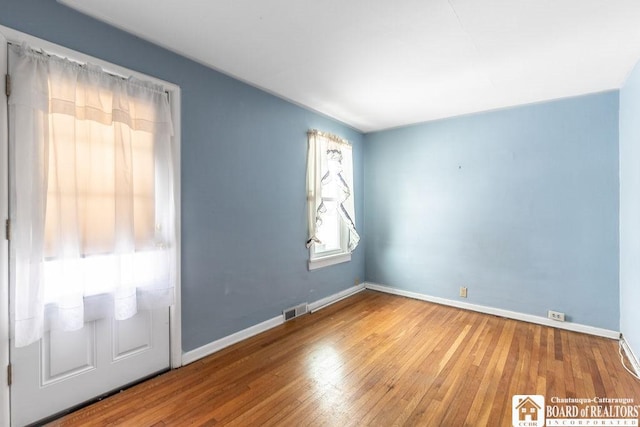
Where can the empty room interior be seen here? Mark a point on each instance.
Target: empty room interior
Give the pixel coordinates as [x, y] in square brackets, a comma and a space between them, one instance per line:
[320, 213]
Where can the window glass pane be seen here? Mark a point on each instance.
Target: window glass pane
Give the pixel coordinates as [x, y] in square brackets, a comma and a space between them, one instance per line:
[329, 231]
[87, 168]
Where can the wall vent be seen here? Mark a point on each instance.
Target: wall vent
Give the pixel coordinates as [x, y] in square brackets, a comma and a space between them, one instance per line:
[296, 311]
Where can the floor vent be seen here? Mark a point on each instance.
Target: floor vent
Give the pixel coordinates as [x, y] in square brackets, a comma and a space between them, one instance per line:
[296, 311]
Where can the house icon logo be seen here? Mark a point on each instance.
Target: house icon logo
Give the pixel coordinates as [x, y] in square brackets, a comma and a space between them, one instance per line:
[528, 411]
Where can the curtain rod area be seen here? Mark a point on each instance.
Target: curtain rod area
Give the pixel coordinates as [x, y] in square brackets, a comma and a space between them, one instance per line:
[82, 64]
[332, 137]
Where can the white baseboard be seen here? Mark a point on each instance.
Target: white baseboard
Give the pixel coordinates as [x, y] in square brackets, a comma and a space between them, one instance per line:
[635, 364]
[212, 347]
[332, 299]
[570, 326]
[215, 346]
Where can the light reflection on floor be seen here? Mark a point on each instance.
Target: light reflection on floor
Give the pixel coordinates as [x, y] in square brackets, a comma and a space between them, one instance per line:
[325, 369]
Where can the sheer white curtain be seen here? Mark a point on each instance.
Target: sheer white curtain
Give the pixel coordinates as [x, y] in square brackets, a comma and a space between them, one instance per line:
[330, 185]
[92, 204]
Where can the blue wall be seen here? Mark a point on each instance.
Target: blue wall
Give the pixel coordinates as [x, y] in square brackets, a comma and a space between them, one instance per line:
[243, 180]
[519, 205]
[630, 211]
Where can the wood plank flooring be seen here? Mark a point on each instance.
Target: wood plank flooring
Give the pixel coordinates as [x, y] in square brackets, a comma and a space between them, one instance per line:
[374, 359]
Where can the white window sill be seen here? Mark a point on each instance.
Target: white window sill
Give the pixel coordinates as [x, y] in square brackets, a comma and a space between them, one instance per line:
[326, 261]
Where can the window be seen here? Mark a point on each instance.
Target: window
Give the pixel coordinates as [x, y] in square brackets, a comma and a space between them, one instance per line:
[330, 196]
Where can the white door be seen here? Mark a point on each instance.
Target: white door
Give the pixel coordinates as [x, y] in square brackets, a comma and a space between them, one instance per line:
[65, 369]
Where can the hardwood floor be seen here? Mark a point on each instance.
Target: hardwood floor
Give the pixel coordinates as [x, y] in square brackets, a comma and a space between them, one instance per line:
[375, 359]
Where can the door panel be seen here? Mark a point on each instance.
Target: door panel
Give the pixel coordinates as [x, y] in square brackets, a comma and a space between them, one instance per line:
[132, 336]
[65, 354]
[65, 369]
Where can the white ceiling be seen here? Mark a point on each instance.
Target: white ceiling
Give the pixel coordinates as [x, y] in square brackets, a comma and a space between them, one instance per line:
[376, 64]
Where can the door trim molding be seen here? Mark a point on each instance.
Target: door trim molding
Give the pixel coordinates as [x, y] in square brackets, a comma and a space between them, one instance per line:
[175, 318]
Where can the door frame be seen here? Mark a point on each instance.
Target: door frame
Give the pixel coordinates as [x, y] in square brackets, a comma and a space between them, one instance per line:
[4, 246]
[175, 311]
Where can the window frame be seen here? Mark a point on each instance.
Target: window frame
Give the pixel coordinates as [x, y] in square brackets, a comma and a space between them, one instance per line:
[320, 259]
[331, 257]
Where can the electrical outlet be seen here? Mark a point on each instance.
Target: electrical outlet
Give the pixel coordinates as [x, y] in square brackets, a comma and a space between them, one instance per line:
[356, 281]
[555, 315]
[463, 292]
